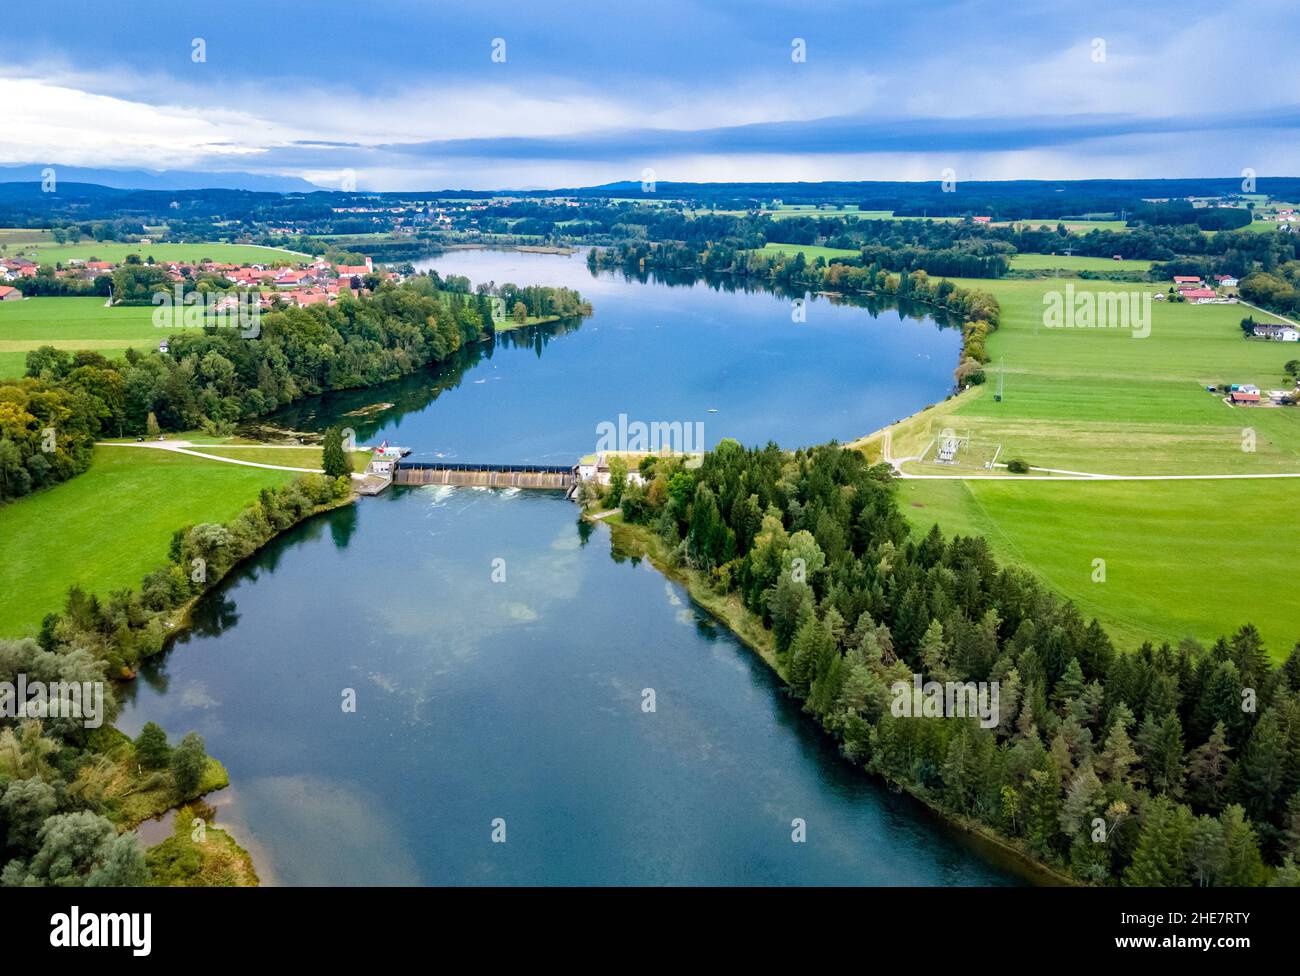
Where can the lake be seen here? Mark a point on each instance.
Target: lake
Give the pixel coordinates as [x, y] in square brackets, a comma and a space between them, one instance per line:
[517, 709]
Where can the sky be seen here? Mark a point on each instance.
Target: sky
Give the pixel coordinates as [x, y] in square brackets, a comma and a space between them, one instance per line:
[479, 95]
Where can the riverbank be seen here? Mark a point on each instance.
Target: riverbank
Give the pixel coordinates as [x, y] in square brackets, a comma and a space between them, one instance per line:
[638, 540]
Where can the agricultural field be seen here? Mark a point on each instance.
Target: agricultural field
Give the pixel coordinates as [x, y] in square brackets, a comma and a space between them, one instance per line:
[107, 528]
[1074, 262]
[72, 324]
[1181, 555]
[1105, 401]
[1182, 559]
[47, 252]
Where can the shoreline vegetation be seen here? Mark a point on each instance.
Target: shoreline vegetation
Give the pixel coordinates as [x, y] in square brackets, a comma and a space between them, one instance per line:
[79, 832]
[1105, 766]
[638, 541]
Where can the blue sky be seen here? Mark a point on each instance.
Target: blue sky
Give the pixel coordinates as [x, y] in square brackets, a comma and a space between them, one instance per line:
[407, 95]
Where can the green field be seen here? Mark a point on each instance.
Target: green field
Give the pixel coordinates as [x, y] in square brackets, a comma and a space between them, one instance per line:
[1101, 400]
[71, 323]
[1074, 262]
[810, 251]
[51, 253]
[107, 528]
[1182, 559]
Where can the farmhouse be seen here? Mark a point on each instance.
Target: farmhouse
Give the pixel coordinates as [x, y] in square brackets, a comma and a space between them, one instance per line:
[1243, 396]
[1280, 333]
[1187, 279]
[10, 294]
[1226, 281]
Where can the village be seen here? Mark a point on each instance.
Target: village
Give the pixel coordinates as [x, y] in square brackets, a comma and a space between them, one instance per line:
[319, 282]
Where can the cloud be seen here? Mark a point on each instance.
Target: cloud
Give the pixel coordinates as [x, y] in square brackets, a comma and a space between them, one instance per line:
[414, 100]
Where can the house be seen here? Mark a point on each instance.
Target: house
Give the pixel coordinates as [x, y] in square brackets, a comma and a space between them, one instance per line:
[1280, 333]
[1200, 296]
[1243, 396]
[354, 270]
[1187, 279]
[10, 294]
[981, 220]
[595, 467]
[1226, 281]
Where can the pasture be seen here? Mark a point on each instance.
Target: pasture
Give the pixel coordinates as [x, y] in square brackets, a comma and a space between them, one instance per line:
[105, 529]
[1181, 559]
[71, 324]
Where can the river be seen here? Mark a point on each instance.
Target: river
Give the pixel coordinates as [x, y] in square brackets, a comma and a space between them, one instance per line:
[501, 732]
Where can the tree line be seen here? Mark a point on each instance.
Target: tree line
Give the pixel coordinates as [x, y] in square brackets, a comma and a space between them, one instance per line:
[1167, 765]
[214, 378]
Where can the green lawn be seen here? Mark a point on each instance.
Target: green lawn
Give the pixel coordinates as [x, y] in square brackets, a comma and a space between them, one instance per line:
[1074, 262]
[50, 253]
[1182, 559]
[71, 323]
[108, 527]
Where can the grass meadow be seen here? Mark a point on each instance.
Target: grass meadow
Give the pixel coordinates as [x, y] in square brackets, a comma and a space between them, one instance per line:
[1184, 558]
[107, 528]
[72, 324]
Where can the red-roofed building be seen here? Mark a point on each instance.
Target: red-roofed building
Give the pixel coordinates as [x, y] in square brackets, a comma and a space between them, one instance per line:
[1187, 279]
[10, 294]
[1198, 294]
[1244, 396]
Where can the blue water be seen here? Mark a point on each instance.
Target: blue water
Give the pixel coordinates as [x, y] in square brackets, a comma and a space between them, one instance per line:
[521, 701]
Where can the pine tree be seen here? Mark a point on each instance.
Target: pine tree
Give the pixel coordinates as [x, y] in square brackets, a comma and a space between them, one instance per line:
[1243, 865]
[1160, 857]
[334, 460]
[1207, 769]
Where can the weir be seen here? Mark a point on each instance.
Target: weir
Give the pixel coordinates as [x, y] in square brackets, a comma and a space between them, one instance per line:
[546, 476]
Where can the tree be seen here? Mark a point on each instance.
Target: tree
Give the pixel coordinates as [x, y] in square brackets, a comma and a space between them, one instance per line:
[25, 804]
[334, 459]
[1160, 858]
[151, 425]
[72, 845]
[520, 312]
[189, 760]
[123, 866]
[151, 748]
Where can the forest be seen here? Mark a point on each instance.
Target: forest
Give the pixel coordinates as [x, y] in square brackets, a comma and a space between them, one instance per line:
[1157, 765]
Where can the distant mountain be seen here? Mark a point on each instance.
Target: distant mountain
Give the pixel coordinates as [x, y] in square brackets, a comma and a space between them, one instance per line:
[137, 179]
